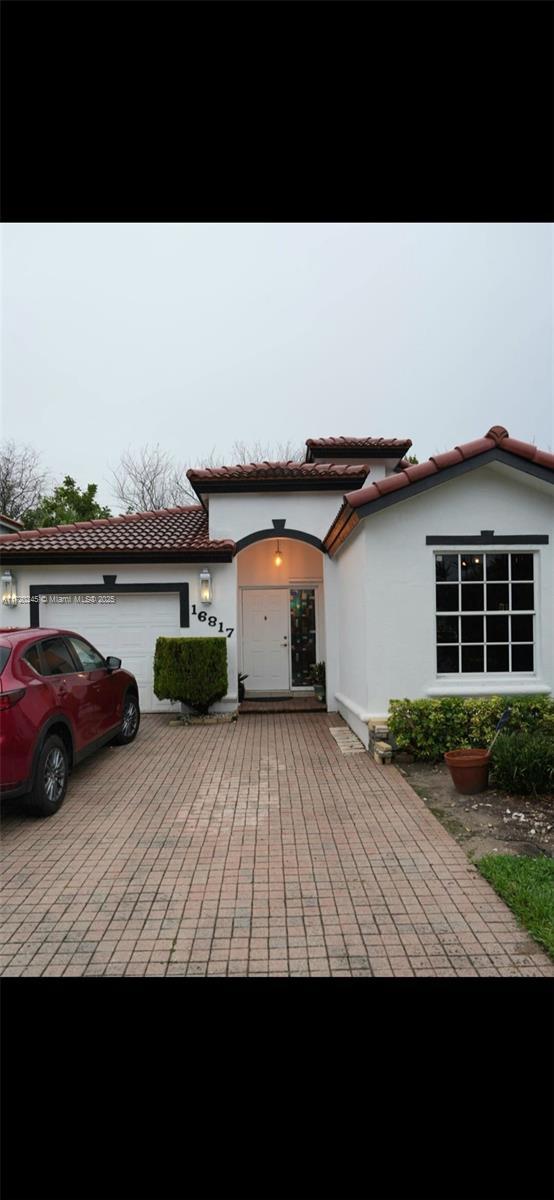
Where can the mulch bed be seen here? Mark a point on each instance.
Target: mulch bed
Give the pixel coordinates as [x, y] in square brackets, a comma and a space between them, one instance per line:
[491, 821]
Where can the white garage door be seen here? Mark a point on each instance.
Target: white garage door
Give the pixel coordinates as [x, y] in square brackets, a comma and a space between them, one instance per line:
[128, 629]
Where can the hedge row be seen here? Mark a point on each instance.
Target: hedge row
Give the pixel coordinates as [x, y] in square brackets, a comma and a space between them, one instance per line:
[192, 670]
[524, 764]
[427, 728]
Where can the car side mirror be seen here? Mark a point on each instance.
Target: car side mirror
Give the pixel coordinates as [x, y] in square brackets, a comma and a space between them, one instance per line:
[113, 663]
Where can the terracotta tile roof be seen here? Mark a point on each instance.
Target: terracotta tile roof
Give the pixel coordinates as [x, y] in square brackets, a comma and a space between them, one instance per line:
[497, 436]
[4, 520]
[265, 472]
[171, 530]
[407, 475]
[316, 447]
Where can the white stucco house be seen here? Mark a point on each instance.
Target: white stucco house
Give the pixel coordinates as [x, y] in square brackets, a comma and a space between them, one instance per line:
[406, 580]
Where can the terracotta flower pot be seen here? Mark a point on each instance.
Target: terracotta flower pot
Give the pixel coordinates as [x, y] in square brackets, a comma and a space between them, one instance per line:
[469, 770]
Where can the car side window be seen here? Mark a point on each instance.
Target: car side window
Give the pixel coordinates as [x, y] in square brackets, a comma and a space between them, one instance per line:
[32, 656]
[89, 658]
[56, 658]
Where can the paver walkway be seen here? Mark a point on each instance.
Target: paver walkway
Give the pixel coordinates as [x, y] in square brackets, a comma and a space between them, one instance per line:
[249, 848]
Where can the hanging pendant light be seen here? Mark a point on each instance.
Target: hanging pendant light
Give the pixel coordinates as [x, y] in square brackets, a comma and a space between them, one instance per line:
[278, 557]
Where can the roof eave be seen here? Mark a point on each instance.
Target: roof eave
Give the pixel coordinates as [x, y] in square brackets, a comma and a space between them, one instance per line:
[332, 454]
[337, 535]
[205, 488]
[83, 557]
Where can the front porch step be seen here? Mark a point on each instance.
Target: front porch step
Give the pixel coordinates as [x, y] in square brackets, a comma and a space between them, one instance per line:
[284, 704]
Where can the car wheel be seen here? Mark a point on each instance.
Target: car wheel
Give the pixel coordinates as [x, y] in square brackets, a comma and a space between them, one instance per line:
[51, 776]
[130, 723]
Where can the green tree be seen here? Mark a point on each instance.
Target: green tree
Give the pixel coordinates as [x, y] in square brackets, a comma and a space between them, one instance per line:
[66, 505]
[412, 459]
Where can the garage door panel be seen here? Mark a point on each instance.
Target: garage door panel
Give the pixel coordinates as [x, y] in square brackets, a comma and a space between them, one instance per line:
[129, 629]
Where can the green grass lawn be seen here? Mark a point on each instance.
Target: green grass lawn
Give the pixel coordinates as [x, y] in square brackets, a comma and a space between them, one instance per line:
[527, 886]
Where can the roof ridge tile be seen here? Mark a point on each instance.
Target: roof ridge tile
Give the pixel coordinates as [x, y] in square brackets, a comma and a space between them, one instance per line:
[496, 436]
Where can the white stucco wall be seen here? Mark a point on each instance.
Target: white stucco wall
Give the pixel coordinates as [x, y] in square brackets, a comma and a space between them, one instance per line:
[224, 605]
[397, 580]
[350, 572]
[236, 516]
[256, 563]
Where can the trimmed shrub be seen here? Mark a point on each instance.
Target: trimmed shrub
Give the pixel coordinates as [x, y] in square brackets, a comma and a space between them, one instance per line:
[427, 728]
[192, 670]
[523, 763]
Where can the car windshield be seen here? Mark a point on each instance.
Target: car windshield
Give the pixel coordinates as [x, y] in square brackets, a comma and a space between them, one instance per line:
[5, 652]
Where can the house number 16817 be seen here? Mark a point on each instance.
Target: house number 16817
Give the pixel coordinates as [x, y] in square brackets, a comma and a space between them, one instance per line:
[211, 619]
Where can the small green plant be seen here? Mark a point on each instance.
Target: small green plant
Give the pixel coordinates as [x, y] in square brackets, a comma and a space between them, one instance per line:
[318, 680]
[523, 763]
[192, 670]
[318, 674]
[427, 728]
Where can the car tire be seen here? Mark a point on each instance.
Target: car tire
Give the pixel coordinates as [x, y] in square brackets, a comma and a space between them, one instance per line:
[51, 778]
[130, 723]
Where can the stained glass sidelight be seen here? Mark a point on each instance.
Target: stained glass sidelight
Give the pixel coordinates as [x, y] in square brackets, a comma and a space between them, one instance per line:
[302, 629]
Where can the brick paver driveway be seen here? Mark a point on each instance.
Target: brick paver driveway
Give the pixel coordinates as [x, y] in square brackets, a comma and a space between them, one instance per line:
[250, 848]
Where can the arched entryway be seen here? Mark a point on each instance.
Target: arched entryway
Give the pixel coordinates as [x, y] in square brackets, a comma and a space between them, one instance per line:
[281, 613]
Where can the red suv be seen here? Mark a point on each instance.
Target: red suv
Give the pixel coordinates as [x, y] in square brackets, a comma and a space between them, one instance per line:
[60, 700]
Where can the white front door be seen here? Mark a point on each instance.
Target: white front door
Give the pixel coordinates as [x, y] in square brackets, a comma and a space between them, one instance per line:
[265, 639]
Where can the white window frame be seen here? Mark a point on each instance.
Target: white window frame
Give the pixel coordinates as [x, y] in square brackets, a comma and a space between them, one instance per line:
[468, 677]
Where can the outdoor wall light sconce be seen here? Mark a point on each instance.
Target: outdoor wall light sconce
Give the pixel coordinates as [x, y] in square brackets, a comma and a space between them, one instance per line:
[206, 591]
[278, 557]
[9, 590]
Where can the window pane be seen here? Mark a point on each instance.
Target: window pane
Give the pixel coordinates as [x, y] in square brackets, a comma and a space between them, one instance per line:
[472, 629]
[497, 658]
[57, 659]
[447, 658]
[472, 597]
[302, 624]
[89, 658]
[32, 657]
[446, 568]
[522, 658]
[447, 597]
[498, 598]
[497, 566]
[522, 629]
[472, 566]
[497, 629]
[522, 566]
[522, 595]
[473, 658]
[447, 629]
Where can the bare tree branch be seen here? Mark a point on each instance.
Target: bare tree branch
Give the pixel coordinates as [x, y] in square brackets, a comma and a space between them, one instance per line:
[244, 452]
[22, 479]
[149, 479]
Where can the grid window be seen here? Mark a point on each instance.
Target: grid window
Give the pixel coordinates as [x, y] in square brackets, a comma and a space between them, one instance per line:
[485, 610]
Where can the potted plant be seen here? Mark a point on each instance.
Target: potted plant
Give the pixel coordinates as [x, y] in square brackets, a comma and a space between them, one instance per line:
[318, 679]
[468, 768]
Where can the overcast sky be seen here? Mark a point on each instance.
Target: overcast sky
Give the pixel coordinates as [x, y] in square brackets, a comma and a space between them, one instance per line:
[195, 336]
